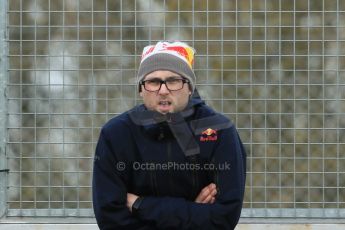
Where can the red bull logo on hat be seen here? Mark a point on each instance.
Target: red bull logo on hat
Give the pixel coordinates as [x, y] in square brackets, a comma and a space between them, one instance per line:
[208, 135]
[178, 49]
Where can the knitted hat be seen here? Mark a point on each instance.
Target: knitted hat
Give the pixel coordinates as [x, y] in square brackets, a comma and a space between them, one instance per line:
[175, 56]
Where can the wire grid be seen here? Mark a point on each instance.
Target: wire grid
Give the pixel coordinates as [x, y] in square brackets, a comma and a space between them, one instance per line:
[276, 68]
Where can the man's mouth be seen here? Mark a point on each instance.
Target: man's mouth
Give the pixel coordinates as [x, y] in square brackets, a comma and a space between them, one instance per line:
[164, 103]
[164, 106]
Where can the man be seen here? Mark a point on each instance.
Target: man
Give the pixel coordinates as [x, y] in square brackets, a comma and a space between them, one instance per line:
[173, 162]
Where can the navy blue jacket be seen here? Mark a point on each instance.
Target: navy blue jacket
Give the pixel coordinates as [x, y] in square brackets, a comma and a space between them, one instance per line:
[169, 169]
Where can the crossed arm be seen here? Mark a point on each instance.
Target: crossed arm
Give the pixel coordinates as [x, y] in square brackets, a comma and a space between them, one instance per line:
[112, 203]
[206, 196]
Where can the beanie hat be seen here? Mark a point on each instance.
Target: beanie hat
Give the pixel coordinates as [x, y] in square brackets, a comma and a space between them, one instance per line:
[174, 56]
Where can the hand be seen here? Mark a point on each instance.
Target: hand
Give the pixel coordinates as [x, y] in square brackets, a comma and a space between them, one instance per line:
[130, 200]
[207, 194]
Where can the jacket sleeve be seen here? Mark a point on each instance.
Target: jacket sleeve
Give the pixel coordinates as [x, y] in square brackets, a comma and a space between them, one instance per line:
[178, 213]
[109, 192]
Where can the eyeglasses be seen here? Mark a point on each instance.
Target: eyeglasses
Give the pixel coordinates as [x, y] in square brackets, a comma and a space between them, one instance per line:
[172, 84]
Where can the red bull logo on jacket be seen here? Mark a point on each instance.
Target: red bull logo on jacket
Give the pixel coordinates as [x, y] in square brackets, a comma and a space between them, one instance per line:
[209, 135]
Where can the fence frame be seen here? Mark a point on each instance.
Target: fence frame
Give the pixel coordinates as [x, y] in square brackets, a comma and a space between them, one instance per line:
[3, 108]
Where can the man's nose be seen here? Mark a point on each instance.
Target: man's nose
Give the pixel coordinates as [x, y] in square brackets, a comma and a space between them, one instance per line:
[164, 89]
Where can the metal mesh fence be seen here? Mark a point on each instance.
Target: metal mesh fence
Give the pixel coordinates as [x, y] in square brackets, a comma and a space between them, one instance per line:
[275, 67]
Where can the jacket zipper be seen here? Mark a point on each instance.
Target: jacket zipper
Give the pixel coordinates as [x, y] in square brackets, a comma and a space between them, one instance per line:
[170, 173]
[153, 172]
[195, 176]
[216, 177]
[154, 182]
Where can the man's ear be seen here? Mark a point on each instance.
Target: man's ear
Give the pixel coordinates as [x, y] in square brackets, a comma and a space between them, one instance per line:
[140, 91]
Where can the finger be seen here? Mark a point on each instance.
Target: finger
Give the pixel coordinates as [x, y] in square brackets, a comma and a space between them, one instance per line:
[213, 200]
[208, 199]
[201, 197]
[210, 188]
[205, 192]
[214, 192]
[212, 185]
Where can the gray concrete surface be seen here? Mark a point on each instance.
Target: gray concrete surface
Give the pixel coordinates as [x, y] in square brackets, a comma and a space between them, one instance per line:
[17, 223]
[26, 226]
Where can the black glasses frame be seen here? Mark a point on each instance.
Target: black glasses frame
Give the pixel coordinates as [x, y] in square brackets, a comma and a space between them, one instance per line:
[184, 81]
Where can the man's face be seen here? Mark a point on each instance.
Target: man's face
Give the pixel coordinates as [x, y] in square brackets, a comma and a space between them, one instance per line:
[164, 100]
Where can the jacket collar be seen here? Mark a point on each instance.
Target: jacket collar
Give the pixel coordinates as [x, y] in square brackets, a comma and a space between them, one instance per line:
[141, 116]
[161, 126]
